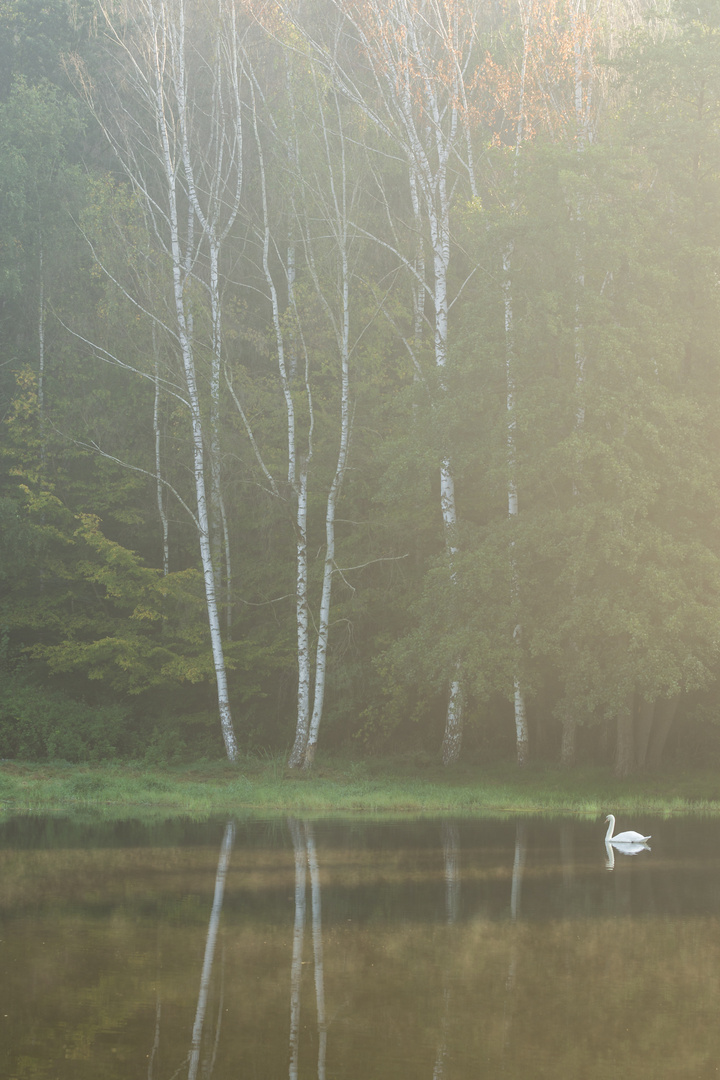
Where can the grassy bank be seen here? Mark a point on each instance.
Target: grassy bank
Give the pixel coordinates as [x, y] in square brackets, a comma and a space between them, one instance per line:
[265, 787]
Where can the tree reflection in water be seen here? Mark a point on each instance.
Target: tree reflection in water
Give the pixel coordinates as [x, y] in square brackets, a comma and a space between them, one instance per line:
[519, 859]
[303, 838]
[210, 942]
[451, 855]
[444, 950]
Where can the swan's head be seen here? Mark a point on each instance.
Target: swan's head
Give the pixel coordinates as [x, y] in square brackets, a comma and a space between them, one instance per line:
[609, 817]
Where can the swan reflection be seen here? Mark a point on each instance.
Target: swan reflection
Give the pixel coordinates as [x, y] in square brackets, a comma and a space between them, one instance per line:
[624, 848]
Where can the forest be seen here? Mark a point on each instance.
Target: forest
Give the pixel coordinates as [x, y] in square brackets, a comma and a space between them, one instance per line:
[360, 380]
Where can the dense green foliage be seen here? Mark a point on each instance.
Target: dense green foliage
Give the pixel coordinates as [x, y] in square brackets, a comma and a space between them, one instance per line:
[615, 567]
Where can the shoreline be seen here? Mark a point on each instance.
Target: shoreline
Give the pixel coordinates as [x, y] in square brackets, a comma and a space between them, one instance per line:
[264, 788]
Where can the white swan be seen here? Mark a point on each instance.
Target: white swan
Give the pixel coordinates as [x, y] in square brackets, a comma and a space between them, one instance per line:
[623, 837]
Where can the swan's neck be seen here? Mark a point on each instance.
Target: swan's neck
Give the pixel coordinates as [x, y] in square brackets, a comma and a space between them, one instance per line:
[611, 827]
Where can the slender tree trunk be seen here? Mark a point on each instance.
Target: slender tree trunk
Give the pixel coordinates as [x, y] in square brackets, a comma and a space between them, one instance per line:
[297, 465]
[329, 564]
[159, 487]
[206, 553]
[521, 725]
[41, 344]
[302, 720]
[522, 739]
[440, 234]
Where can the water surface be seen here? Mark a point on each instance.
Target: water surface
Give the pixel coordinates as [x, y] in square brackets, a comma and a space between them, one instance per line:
[358, 951]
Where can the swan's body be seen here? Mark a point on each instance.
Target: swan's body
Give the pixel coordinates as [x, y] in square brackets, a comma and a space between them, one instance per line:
[623, 837]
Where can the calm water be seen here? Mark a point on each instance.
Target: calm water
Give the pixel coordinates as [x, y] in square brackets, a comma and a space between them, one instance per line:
[358, 951]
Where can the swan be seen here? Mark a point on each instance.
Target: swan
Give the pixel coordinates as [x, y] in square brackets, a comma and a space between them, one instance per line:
[623, 837]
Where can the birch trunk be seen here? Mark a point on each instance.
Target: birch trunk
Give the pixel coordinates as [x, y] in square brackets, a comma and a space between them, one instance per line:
[521, 726]
[302, 722]
[213, 149]
[41, 344]
[418, 53]
[198, 444]
[297, 464]
[581, 109]
[331, 505]
[159, 486]
[329, 193]
[157, 161]
[519, 708]
[332, 196]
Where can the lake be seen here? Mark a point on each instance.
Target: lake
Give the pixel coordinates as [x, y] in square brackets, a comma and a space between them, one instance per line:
[356, 950]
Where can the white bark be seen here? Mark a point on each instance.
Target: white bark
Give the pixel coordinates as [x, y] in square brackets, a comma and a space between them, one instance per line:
[41, 335]
[297, 463]
[159, 487]
[341, 325]
[521, 727]
[302, 725]
[212, 147]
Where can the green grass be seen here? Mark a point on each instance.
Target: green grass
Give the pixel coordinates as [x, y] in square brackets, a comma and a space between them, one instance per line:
[407, 786]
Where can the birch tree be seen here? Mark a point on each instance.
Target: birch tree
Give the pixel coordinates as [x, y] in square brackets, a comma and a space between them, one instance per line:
[310, 237]
[553, 88]
[418, 55]
[171, 116]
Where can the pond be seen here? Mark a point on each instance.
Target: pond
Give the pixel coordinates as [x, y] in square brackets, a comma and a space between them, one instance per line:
[358, 951]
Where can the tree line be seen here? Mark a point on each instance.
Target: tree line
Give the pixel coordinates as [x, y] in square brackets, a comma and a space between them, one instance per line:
[359, 379]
